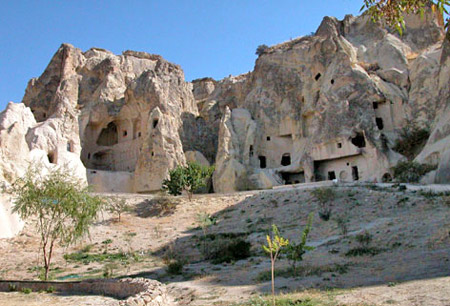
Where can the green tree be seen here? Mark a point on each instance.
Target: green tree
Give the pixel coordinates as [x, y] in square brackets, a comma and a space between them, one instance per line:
[294, 252]
[63, 208]
[189, 178]
[261, 49]
[392, 11]
[275, 244]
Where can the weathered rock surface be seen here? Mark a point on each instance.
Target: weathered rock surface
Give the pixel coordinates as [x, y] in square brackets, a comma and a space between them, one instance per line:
[320, 107]
[330, 106]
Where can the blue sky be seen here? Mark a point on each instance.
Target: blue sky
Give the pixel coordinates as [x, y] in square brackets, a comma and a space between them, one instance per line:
[206, 37]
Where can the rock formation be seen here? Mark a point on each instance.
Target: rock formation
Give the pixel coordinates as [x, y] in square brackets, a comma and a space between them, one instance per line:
[321, 107]
[331, 105]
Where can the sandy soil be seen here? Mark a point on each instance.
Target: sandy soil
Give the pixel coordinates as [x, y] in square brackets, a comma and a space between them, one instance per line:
[410, 228]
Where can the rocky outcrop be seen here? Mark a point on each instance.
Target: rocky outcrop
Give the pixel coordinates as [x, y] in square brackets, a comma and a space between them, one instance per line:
[320, 107]
[331, 105]
[122, 113]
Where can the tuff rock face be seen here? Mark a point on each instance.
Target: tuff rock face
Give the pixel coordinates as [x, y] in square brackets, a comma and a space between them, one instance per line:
[330, 106]
[322, 107]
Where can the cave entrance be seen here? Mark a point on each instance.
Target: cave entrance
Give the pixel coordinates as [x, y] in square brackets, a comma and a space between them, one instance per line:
[286, 159]
[108, 136]
[359, 140]
[355, 173]
[293, 178]
[331, 175]
[262, 162]
[379, 122]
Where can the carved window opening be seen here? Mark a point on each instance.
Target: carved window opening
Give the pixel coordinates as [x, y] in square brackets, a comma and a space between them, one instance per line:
[51, 158]
[155, 123]
[125, 133]
[359, 140]
[262, 162]
[355, 173]
[375, 105]
[44, 115]
[89, 155]
[250, 153]
[339, 145]
[139, 134]
[69, 147]
[317, 77]
[331, 175]
[286, 159]
[153, 153]
[379, 122]
[268, 138]
[108, 135]
[332, 81]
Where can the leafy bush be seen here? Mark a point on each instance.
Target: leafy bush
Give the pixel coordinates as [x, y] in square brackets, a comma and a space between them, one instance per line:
[364, 239]
[26, 290]
[411, 171]
[412, 138]
[324, 195]
[223, 249]
[261, 49]
[190, 179]
[175, 267]
[294, 252]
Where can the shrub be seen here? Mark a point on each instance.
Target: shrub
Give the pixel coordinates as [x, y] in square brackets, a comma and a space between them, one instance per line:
[175, 267]
[226, 249]
[118, 206]
[26, 290]
[190, 179]
[324, 196]
[364, 239]
[294, 252]
[412, 138]
[411, 171]
[261, 49]
[50, 289]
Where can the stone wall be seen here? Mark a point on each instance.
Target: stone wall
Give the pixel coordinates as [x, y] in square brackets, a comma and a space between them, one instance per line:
[130, 291]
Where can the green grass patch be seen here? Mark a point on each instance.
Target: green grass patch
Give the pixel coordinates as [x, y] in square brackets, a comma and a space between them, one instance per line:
[87, 258]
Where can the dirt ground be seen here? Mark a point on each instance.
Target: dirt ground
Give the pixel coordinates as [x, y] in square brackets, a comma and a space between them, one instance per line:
[410, 229]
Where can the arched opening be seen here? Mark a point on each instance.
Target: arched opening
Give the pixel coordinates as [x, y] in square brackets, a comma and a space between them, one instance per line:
[359, 140]
[155, 123]
[250, 151]
[386, 178]
[108, 136]
[317, 77]
[332, 81]
[375, 105]
[286, 159]
[379, 122]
